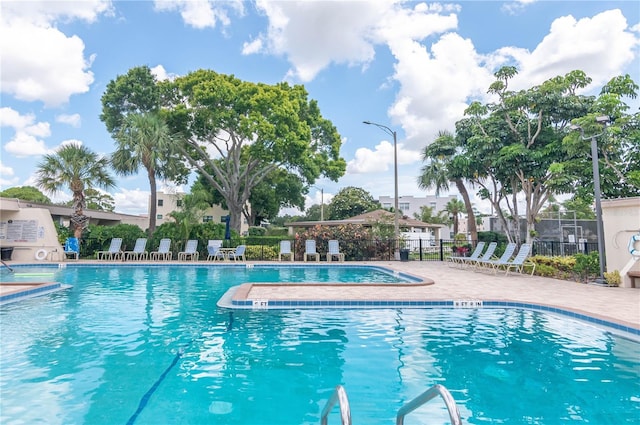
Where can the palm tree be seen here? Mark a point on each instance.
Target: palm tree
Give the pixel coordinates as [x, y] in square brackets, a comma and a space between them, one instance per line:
[454, 207]
[144, 141]
[77, 167]
[439, 172]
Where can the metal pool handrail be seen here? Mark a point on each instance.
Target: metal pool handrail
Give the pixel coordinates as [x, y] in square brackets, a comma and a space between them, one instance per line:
[340, 396]
[437, 389]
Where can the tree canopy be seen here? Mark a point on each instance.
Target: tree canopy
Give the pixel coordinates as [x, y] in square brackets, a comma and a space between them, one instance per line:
[26, 193]
[520, 150]
[351, 201]
[236, 133]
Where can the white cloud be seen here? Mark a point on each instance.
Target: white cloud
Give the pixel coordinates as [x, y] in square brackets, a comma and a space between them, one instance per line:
[134, 201]
[161, 74]
[202, 14]
[5, 170]
[601, 46]
[44, 12]
[315, 34]
[39, 62]
[380, 158]
[73, 120]
[42, 63]
[27, 138]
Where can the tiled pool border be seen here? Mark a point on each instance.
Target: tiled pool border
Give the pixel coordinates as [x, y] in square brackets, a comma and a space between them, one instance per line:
[226, 300]
[35, 290]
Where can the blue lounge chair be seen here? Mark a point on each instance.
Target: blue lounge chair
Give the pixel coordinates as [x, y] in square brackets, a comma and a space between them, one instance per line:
[190, 251]
[72, 247]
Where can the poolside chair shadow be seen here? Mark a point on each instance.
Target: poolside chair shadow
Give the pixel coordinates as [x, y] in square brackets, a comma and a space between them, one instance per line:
[139, 251]
[190, 251]
[213, 250]
[164, 251]
[459, 260]
[285, 250]
[504, 258]
[113, 253]
[334, 251]
[238, 254]
[310, 250]
[72, 247]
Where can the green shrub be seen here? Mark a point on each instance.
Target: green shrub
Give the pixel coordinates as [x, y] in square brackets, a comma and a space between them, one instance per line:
[257, 231]
[261, 252]
[587, 265]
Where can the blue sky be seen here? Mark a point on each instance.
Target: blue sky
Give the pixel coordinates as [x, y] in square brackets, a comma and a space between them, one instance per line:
[410, 66]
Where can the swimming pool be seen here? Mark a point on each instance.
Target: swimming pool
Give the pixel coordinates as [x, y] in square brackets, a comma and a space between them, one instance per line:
[148, 345]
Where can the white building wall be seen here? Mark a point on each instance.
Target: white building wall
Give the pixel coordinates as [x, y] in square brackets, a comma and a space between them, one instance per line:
[410, 205]
[621, 220]
[168, 202]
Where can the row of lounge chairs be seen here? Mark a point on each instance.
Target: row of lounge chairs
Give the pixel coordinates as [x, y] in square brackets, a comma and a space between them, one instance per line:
[509, 260]
[310, 251]
[164, 253]
[215, 251]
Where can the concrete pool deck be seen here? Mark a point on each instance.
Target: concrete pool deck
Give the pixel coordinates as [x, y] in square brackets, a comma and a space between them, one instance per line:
[619, 305]
[446, 283]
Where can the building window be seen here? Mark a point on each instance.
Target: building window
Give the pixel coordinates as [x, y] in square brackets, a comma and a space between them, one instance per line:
[386, 205]
[404, 206]
[179, 203]
[159, 216]
[160, 202]
[207, 218]
[223, 219]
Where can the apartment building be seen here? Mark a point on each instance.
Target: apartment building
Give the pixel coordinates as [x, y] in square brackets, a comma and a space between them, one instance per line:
[169, 202]
[410, 205]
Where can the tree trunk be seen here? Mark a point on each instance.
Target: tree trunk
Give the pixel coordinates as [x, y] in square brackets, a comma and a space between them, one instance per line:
[471, 217]
[153, 208]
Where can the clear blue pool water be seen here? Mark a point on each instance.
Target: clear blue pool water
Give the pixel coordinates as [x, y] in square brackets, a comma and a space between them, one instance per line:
[147, 345]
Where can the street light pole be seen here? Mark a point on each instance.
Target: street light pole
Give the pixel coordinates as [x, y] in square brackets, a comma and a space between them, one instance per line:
[321, 204]
[596, 187]
[396, 210]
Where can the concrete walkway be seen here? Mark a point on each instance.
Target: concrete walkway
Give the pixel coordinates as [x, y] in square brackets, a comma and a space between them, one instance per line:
[619, 305]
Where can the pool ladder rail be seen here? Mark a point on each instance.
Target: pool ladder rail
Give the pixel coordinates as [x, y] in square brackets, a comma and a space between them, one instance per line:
[340, 396]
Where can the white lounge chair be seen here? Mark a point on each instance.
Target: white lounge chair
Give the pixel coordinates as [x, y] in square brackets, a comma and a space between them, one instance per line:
[238, 253]
[164, 251]
[113, 253]
[334, 251]
[520, 261]
[285, 250]
[190, 251]
[458, 260]
[310, 250]
[139, 251]
[504, 258]
[213, 250]
[487, 256]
